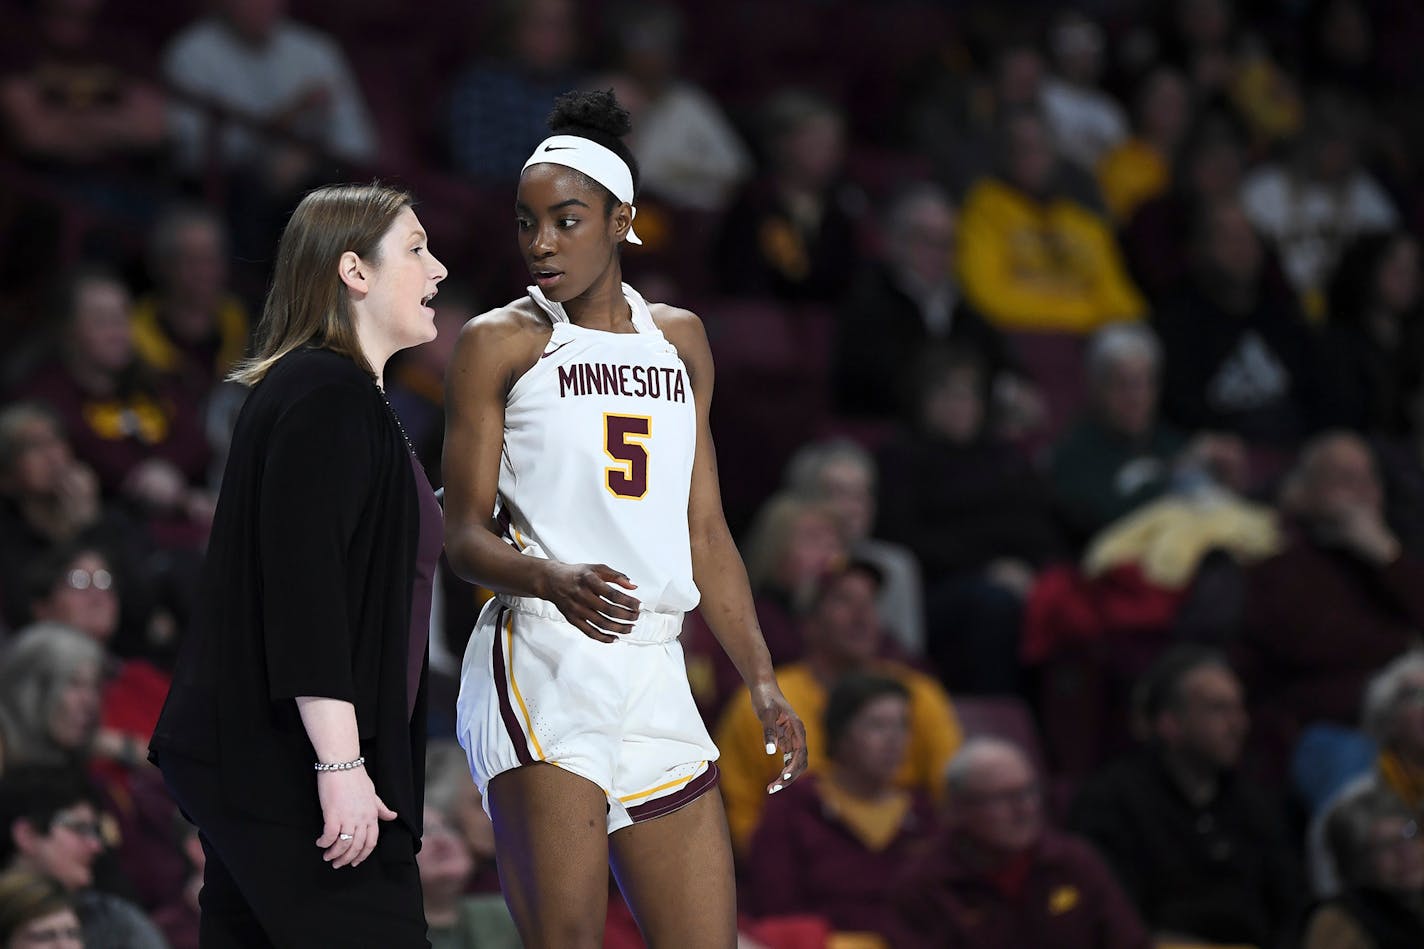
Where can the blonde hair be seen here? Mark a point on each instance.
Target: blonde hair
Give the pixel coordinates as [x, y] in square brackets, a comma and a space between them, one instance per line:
[308, 304]
[770, 534]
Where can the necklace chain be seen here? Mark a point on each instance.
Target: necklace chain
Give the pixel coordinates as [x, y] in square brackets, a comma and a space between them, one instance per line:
[395, 415]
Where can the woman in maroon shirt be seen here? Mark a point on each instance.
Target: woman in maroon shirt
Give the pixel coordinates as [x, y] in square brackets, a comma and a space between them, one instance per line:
[144, 441]
[831, 844]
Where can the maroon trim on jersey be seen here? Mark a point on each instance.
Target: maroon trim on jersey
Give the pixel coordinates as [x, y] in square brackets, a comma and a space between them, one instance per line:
[501, 684]
[688, 793]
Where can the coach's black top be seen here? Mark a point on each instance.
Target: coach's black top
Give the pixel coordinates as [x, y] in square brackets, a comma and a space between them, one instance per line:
[306, 591]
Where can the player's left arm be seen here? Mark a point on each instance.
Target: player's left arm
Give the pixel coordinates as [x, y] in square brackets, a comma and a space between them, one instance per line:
[717, 566]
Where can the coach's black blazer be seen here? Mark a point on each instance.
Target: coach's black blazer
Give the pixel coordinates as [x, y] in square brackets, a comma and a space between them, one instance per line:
[306, 590]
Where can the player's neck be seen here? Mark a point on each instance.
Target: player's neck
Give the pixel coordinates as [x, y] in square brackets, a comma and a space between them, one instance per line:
[602, 306]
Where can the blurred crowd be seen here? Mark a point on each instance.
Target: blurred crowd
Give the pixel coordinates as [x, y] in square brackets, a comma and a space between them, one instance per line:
[1070, 412]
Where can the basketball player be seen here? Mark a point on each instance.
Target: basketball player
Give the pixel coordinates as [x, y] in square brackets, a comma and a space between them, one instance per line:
[581, 486]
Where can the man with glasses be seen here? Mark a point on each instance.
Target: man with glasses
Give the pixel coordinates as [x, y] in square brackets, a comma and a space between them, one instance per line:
[52, 826]
[1393, 718]
[1198, 849]
[998, 877]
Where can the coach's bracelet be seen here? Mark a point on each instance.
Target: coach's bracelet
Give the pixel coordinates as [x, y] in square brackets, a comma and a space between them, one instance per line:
[340, 765]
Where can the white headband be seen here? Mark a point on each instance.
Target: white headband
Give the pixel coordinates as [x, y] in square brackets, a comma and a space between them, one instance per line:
[601, 164]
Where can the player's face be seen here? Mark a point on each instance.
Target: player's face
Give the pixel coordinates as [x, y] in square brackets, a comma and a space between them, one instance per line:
[565, 234]
[402, 280]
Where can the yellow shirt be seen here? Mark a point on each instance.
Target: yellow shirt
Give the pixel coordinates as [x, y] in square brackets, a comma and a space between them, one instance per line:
[155, 348]
[1132, 174]
[747, 769]
[1045, 267]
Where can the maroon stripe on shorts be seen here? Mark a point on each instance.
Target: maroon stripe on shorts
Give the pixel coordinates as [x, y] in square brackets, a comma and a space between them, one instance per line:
[501, 684]
[504, 521]
[680, 798]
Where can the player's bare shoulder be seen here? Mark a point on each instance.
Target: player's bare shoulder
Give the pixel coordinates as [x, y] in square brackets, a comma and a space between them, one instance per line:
[518, 323]
[504, 342]
[683, 329]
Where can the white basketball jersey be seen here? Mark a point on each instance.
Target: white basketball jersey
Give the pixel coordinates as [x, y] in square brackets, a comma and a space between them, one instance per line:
[599, 437]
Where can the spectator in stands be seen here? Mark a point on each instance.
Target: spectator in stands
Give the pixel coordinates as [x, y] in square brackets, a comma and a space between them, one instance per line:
[688, 153]
[52, 825]
[1375, 841]
[143, 439]
[1240, 357]
[958, 123]
[77, 587]
[191, 327]
[1312, 206]
[1140, 168]
[842, 475]
[1032, 258]
[1217, 50]
[1374, 340]
[47, 497]
[793, 543]
[1086, 121]
[997, 878]
[1393, 717]
[50, 681]
[250, 58]
[903, 302]
[499, 103]
[36, 911]
[1157, 239]
[978, 517]
[450, 791]
[79, 101]
[1341, 50]
[831, 844]
[791, 232]
[457, 920]
[179, 916]
[842, 636]
[1197, 849]
[1337, 604]
[1120, 454]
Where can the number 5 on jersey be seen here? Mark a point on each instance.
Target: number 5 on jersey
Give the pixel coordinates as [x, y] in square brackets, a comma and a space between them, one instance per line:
[623, 437]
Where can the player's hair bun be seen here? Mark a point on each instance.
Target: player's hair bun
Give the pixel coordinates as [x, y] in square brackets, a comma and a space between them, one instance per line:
[596, 111]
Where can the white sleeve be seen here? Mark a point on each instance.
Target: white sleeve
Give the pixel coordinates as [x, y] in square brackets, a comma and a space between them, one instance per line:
[187, 126]
[350, 133]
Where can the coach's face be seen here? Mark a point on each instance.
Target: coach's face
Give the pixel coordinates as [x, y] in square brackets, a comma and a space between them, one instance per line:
[566, 232]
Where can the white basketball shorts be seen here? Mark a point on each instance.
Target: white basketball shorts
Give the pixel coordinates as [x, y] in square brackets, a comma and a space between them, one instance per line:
[533, 688]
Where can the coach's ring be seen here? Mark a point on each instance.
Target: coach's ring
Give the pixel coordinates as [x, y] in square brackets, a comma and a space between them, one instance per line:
[344, 837]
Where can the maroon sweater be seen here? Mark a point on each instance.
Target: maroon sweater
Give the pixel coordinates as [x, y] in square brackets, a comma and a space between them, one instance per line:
[805, 860]
[115, 434]
[1318, 624]
[1068, 899]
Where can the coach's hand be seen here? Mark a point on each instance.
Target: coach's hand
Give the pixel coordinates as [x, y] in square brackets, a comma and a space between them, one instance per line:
[587, 596]
[783, 731]
[351, 815]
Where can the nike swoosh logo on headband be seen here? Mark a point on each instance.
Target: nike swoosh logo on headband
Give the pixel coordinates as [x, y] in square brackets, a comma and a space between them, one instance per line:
[558, 148]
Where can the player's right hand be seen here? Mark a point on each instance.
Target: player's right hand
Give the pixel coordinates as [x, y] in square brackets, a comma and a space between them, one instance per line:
[588, 596]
